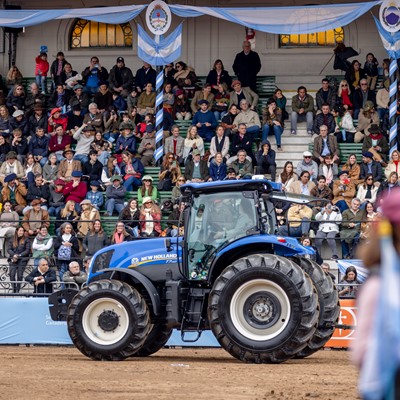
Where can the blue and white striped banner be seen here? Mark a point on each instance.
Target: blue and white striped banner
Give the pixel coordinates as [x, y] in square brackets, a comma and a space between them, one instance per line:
[391, 41]
[166, 51]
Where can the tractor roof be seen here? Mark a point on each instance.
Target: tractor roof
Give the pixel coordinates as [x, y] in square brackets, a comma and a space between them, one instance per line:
[262, 185]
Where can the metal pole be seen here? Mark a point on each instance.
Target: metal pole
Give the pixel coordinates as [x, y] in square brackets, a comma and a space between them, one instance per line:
[393, 106]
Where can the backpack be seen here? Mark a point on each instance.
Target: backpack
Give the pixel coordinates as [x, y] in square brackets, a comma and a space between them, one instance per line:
[64, 253]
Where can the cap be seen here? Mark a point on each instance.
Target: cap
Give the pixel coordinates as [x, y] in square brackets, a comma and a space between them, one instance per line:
[78, 86]
[35, 202]
[68, 150]
[120, 59]
[149, 128]
[10, 178]
[147, 178]
[95, 183]
[147, 200]
[368, 154]
[125, 125]
[76, 174]
[196, 152]
[342, 172]
[203, 102]
[307, 154]
[86, 201]
[369, 105]
[115, 178]
[55, 110]
[236, 82]
[17, 113]
[59, 182]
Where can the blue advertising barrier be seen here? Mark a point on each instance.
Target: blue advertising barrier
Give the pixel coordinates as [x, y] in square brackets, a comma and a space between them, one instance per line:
[26, 320]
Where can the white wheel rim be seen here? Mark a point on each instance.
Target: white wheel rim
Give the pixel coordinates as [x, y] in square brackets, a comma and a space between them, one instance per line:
[241, 298]
[90, 321]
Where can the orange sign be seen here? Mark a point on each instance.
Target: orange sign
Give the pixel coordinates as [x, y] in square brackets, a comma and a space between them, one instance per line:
[341, 338]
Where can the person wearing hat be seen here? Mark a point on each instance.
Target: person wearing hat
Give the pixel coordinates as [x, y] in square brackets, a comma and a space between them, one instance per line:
[121, 78]
[14, 192]
[146, 101]
[79, 98]
[75, 189]
[361, 96]
[96, 198]
[86, 218]
[196, 169]
[19, 120]
[247, 65]
[366, 118]
[204, 94]
[104, 97]
[41, 69]
[35, 218]
[74, 119]
[56, 201]
[344, 191]
[370, 167]
[56, 118]
[115, 196]
[147, 190]
[68, 165]
[11, 165]
[93, 75]
[205, 121]
[126, 140]
[84, 137]
[59, 142]
[307, 164]
[39, 146]
[239, 93]
[147, 146]
[37, 119]
[377, 144]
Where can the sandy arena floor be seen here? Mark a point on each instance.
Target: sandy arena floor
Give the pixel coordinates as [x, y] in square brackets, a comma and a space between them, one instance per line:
[60, 373]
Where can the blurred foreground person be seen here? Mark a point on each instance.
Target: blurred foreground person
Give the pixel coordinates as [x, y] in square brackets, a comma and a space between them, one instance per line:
[376, 350]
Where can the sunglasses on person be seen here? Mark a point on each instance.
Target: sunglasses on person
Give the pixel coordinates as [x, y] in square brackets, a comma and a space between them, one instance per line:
[307, 156]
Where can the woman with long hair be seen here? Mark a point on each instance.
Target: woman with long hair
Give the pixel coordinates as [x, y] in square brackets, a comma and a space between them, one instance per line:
[182, 110]
[95, 239]
[366, 118]
[391, 183]
[19, 248]
[344, 125]
[50, 169]
[281, 101]
[13, 77]
[168, 98]
[67, 214]
[150, 219]
[345, 287]
[328, 168]
[227, 120]
[169, 172]
[393, 164]
[221, 101]
[130, 217]
[31, 168]
[287, 176]
[344, 97]
[367, 191]
[370, 221]
[42, 246]
[89, 213]
[217, 168]
[218, 75]
[185, 76]
[16, 99]
[176, 191]
[5, 119]
[147, 190]
[66, 248]
[120, 234]
[353, 168]
[192, 142]
[354, 74]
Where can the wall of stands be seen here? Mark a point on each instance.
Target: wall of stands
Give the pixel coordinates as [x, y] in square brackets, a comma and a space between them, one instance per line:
[27, 320]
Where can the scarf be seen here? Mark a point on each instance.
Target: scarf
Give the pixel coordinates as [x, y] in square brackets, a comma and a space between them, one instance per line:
[346, 99]
[118, 237]
[368, 195]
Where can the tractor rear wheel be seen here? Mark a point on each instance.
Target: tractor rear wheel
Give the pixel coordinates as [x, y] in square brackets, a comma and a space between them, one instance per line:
[108, 320]
[263, 309]
[156, 340]
[329, 306]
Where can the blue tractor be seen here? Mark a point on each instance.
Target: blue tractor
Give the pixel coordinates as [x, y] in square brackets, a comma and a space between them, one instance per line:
[262, 296]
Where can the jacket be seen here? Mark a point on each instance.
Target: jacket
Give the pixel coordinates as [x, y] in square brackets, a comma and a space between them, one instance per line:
[80, 278]
[126, 77]
[224, 77]
[329, 222]
[93, 171]
[20, 194]
[199, 95]
[249, 95]
[47, 287]
[189, 169]
[296, 213]
[217, 172]
[39, 146]
[75, 255]
[242, 143]
[75, 193]
[116, 193]
[321, 119]
[169, 145]
[343, 192]
[29, 219]
[307, 103]
[246, 170]
[42, 67]
[42, 247]
[220, 146]
[295, 187]
[54, 146]
[16, 167]
[376, 171]
[331, 143]
[102, 74]
[63, 166]
[38, 192]
[330, 99]
[250, 118]
[93, 243]
[269, 158]
[358, 98]
[246, 67]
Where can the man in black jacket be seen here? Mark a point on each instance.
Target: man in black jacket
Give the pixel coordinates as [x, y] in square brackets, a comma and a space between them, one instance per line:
[370, 167]
[93, 168]
[39, 190]
[121, 78]
[41, 277]
[266, 160]
[361, 96]
[247, 65]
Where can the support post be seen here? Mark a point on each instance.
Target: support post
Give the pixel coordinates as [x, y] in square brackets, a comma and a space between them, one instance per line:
[393, 106]
[159, 115]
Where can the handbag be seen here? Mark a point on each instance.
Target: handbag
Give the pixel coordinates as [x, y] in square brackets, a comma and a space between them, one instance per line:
[64, 253]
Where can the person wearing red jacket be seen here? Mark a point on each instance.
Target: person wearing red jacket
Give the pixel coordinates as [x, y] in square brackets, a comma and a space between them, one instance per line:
[75, 189]
[59, 142]
[41, 70]
[56, 119]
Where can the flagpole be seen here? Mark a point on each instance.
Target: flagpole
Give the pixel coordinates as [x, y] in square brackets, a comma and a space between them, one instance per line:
[393, 106]
[158, 154]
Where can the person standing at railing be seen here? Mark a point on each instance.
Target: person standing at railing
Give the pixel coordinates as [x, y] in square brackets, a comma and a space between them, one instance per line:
[42, 278]
[8, 223]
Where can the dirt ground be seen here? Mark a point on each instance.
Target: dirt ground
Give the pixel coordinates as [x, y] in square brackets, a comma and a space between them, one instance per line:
[64, 373]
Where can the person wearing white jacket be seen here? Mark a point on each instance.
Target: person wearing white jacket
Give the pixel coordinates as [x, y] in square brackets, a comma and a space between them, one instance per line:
[330, 219]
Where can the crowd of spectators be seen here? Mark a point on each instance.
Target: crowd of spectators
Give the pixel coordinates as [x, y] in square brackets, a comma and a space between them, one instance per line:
[75, 152]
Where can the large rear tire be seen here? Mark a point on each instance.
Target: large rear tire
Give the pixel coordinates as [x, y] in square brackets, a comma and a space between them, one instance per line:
[108, 320]
[263, 309]
[156, 340]
[329, 306]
